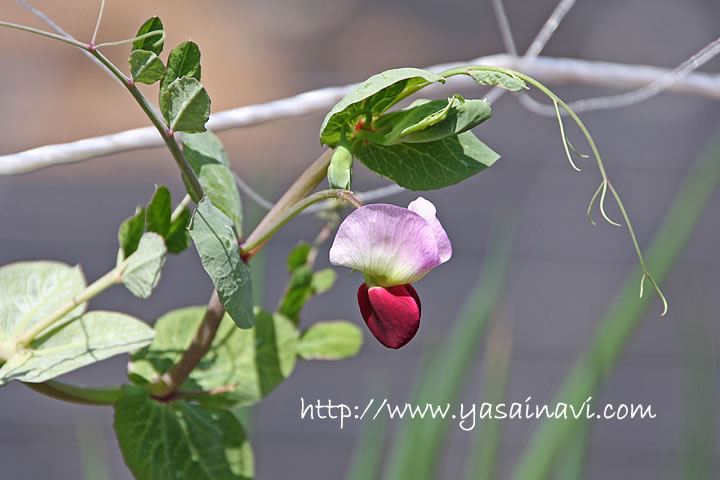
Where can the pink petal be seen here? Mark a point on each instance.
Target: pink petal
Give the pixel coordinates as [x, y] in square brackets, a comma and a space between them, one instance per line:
[391, 245]
[427, 210]
[392, 314]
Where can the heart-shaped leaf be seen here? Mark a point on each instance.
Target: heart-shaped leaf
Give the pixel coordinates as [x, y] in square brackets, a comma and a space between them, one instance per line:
[248, 364]
[86, 339]
[167, 441]
[330, 341]
[31, 291]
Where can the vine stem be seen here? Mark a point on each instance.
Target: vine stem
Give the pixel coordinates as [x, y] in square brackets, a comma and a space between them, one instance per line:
[281, 219]
[605, 185]
[194, 188]
[75, 394]
[165, 386]
[302, 187]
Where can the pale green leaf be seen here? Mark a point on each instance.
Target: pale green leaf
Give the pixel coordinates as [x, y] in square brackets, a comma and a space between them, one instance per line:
[206, 156]
[323, 280]
[31, 291]
[330, 341]
[431, 165]
[185, 105]
[146, 67]
[183, 61]
[151, 43]
[143, 271]
[373, 97]
[250, 363]
[499, 79]
[87, 339]
[180, 440]
[216, 241]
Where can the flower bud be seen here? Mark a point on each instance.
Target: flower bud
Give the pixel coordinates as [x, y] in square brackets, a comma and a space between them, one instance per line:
[339, 172]
[391, 313]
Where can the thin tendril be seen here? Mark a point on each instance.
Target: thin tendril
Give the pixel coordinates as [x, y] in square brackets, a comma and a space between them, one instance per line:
[139, 37]
[581, 155]
[592, 202]
[564, 138]
[606, 185]
[97, 24]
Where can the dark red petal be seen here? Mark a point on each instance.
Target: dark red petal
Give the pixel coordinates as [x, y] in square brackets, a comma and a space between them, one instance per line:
[391, 313]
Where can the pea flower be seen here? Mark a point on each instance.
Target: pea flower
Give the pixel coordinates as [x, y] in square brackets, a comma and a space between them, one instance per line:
[393, 247]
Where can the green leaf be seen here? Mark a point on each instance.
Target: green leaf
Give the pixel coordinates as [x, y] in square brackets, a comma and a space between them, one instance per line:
[374, 96]
[87, 339]
[330, 341]
[298, 257]
[216, 242]
[30, 291]
[185, 105]
[143, 272]
[428, 122]
[167, 441]
[150, 43]
[204, 149]
[250, 362]
[178, 237]
[146, 67]
[157, 215]
[206, 156]
[184, 61]
[298, 291]
[500, 79]
[323, 280]
[431, 165]
[130, 232]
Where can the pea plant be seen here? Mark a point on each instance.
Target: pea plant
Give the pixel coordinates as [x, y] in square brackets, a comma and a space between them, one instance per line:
[173, 417]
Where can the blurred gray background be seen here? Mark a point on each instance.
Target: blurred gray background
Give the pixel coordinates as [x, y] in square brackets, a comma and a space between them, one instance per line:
[564, 271]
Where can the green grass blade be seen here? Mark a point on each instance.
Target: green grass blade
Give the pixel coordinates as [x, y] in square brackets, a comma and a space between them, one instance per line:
[415, 452]
[624, 315]
[370, 447]
[485, 450]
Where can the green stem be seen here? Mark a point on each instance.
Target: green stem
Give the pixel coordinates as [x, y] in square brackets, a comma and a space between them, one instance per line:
[165, 386]
[195, 189]
[280, 220]
[302, 187]
[111, 278]
[606, 185]
[75, 394]
[43, 33]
